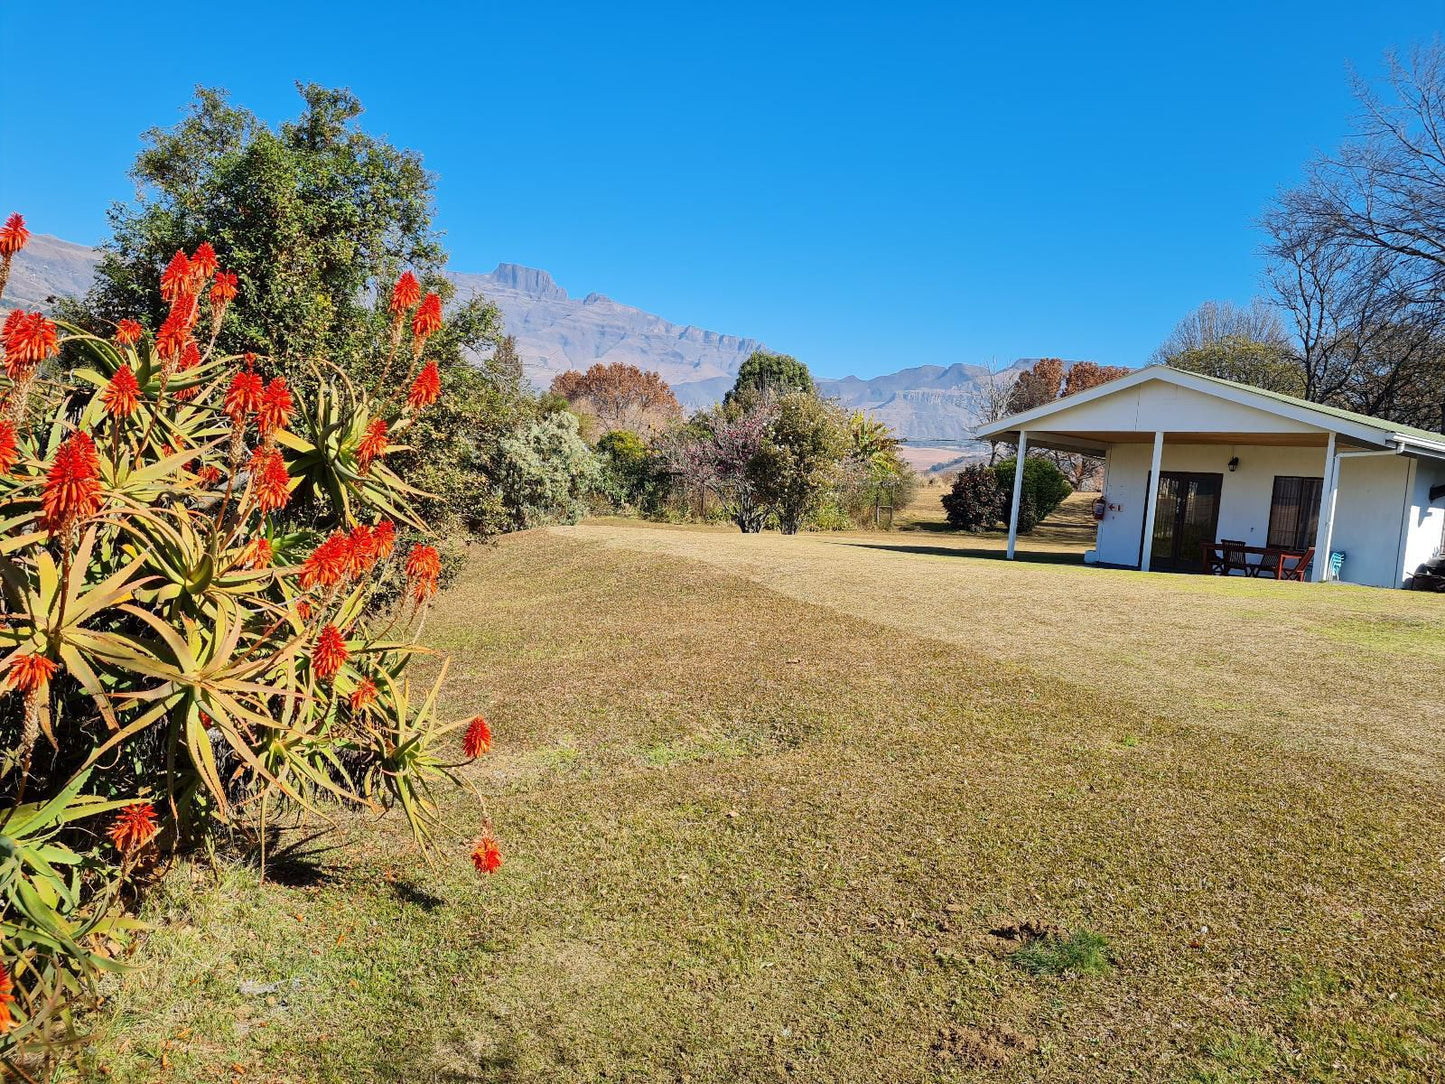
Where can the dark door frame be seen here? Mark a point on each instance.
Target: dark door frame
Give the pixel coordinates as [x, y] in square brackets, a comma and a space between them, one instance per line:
[1174, 563]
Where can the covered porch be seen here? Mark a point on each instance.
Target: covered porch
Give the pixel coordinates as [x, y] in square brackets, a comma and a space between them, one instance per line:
[1205, 475]
[1240, 503]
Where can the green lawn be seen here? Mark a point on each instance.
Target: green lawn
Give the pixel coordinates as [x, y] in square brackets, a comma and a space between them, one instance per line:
[770, 807]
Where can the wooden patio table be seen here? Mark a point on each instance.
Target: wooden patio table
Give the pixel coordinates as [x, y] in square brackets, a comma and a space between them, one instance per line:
[1216, 558]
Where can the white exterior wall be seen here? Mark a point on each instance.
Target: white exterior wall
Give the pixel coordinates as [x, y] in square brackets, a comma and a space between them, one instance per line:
[1368, 515]
[1424, 523]
[1368, 518]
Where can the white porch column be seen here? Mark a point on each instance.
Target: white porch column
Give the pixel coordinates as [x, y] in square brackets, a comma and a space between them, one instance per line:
[1013, 516]
[1152, 497]
[1325, 530]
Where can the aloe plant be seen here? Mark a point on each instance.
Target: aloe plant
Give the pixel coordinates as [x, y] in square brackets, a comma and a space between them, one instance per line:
[190, 630]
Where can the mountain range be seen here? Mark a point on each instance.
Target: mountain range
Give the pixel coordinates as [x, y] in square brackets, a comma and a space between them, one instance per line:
[927, 404]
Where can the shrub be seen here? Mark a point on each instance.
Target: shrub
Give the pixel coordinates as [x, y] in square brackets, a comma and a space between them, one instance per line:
[189, 645]
[545, 471]
[631, 476]
[974, 502]
[1044, 484]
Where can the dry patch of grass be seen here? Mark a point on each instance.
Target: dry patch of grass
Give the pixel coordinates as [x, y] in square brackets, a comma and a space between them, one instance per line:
[758, 829]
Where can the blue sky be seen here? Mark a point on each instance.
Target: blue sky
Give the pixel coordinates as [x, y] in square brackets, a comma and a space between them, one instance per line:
[867, 187]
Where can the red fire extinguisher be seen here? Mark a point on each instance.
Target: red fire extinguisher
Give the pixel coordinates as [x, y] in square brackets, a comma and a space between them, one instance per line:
[1100, 507]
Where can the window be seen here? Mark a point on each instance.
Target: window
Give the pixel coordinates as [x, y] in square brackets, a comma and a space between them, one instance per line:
[1294, 512]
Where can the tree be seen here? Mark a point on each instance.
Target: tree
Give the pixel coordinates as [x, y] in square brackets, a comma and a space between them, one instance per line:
[621, 396]
[989, 399]
[1216, 321]
[805, 443]
[1383, 191]
[1041, 383]
[769, 374]
[715, 451]
[1245, 361]
[315, 218]
[1358, 252]
[1047, 381]
[1084, 375]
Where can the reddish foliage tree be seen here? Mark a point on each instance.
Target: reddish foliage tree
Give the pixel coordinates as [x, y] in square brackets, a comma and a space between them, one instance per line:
[1037, 386]
[1084, 375]
[621, 396]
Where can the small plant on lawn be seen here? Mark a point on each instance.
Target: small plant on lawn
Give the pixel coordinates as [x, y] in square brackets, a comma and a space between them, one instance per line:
[188, 640]
[1082, 953]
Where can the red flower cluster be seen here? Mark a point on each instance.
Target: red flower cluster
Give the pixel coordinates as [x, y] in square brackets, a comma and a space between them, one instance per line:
[176, 278]
[243, 397]
[122, 394]
[257, 554]
[478, 738]
[29, 338]
[29, 672]
[372, 444]
[404, 295]
[13, 236]
[276, 405]
[172, 336]
[383, 539]
[328, 564]
[9, 447]
[347, 556]
[423, 570]
[426, 388]
[427, 321]
[364, 696]
[128, 332]
[182, 283]
[223, 291]
[487, 856]
[72, 489]
[270, 481]
[133, 827]
[329, 653]
[7, 984]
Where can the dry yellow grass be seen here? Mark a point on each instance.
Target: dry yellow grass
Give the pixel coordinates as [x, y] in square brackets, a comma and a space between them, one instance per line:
[763, 801]
[1355, 670]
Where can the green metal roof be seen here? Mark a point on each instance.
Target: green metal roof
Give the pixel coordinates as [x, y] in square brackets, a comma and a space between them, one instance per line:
[1388, 428]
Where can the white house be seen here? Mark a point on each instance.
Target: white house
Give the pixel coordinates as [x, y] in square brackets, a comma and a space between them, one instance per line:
[1191, 461]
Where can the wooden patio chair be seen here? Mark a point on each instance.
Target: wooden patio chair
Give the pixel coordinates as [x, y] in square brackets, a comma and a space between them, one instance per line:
[1271, 563]
[1233, 560]
[1297, 570]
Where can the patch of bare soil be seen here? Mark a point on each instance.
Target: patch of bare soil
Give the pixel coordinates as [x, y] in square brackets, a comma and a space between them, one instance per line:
[992, 1046]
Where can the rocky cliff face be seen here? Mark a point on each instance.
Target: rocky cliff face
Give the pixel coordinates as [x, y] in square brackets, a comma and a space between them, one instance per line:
[49, 268]
[555, 332]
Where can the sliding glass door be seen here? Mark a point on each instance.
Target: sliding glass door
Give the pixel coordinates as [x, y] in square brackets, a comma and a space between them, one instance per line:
[1187, 515]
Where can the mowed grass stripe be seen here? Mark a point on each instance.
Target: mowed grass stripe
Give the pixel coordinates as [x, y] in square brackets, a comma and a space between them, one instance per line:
[808, 893]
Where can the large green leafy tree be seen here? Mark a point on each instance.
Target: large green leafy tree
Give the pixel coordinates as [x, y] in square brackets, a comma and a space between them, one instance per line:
[316, 218]
[802, 456]
[763, 373]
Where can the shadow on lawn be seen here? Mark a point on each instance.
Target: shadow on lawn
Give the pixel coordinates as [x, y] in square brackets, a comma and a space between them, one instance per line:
[296, 864]
[418, 897]
[1040, 557]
